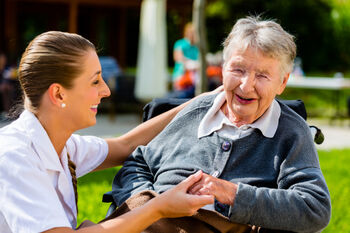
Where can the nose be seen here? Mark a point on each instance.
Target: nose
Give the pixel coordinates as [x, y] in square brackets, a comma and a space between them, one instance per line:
[104, 92]
[248, 83]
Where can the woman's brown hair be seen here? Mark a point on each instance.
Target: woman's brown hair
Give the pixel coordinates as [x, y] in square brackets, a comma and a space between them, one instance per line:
[51, 57]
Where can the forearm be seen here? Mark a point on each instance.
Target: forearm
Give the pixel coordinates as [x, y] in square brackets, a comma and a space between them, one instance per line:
[306, 203]
[132, 222]
[121, 147]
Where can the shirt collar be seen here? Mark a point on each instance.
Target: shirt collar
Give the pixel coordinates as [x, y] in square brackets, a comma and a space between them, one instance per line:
[212, 121]
[41, 141]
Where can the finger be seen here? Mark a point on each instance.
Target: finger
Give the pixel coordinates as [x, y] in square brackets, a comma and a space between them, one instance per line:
[192, 179]
[201, 200]
[194, 188]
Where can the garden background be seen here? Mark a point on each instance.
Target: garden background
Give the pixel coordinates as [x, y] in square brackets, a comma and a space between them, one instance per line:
[321, 28]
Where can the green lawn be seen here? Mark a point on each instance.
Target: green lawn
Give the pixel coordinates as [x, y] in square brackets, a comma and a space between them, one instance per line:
[335, 165]
[319, 103]
[91, 188]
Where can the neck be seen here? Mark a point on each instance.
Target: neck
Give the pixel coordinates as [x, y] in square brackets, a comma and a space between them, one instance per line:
[55, 128]
[237, 121]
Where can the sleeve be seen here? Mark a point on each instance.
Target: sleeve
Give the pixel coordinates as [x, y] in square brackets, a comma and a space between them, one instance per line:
[87, 152]
[301, 201]
[134, 177]
[28, 201]
[178, 45]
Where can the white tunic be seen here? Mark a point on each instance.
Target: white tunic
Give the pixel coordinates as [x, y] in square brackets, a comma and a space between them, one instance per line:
[36, 191]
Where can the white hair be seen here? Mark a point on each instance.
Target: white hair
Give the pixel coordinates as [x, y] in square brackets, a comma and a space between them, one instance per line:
[266, 36]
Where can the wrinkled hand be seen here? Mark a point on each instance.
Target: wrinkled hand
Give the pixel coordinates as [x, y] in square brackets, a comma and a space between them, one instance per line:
[224, 191]
[177, 202]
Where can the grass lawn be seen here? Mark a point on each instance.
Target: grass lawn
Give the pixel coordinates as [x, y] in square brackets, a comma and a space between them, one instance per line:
[334, 164]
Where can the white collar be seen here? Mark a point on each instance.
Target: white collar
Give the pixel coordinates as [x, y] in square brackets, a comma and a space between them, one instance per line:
[41, 141]
[213, 120]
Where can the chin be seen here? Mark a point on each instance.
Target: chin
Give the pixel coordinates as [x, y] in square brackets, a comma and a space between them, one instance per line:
[92, 122]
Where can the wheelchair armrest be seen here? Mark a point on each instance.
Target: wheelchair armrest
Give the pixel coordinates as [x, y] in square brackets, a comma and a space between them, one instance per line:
[107, 197]
[317, 134]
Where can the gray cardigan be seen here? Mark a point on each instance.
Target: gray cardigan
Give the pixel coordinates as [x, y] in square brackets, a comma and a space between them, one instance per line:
[280, 184]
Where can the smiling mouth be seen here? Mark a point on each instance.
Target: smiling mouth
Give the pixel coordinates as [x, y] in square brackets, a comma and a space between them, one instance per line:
[94, 108]
[244, 100]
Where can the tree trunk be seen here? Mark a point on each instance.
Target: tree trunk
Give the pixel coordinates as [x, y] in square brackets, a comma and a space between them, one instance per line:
[200, 30]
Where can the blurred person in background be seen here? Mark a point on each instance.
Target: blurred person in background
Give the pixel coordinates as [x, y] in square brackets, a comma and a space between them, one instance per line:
[214, 69]
[9, 85]
[2, 68]
[186, 56]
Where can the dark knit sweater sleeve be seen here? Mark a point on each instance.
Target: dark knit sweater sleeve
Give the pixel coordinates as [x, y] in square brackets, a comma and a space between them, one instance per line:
[134, 177]
[300, 202]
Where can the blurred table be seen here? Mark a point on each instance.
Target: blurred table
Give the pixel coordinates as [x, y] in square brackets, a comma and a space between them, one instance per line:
[319, 83]
[324, 83]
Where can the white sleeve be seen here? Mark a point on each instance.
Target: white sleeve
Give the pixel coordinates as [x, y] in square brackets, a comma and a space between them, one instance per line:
[28, 200]
[87, 152]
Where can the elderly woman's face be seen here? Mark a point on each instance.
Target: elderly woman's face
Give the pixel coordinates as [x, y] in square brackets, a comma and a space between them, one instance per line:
[251, 82]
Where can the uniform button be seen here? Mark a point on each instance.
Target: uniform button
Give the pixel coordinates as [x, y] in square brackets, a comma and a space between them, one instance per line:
[215, 173]
[226, 146]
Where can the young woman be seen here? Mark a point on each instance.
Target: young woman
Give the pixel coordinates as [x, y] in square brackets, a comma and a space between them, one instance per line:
[60, 76]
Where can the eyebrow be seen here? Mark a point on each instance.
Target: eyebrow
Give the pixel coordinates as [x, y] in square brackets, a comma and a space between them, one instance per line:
[97, 73]
[238, 63]
[263, 71]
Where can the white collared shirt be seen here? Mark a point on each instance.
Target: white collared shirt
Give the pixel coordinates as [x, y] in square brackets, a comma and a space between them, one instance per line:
[216, 121]
[36, 191]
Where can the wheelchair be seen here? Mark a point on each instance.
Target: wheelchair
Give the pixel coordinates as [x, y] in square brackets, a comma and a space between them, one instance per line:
[160, 105]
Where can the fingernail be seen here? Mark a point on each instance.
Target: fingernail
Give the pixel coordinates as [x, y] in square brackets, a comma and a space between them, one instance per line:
[198, 172]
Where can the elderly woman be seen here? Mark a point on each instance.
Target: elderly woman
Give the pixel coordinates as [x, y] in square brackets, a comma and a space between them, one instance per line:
[258, 155]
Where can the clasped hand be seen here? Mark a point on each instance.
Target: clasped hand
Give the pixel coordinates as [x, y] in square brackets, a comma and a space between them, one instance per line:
[223, 191]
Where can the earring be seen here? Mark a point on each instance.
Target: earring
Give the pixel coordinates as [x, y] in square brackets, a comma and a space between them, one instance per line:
[63, 105]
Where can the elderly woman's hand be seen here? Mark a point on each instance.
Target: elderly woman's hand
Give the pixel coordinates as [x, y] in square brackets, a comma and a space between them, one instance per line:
[224, 191]
[177, 202]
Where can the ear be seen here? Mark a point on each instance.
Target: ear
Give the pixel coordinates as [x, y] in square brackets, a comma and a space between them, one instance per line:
[283, 84]
[56, 94]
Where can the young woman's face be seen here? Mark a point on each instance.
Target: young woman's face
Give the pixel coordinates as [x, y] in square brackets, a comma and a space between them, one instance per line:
[88, 90]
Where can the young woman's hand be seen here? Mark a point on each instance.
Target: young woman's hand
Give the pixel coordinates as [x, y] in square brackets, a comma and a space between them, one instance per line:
[177, 202]
[215, 91]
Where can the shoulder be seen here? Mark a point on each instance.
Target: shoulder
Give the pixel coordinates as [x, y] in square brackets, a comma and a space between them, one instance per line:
[78, 144]
[295, 138]
[14, 141]
[180, 43]
[17, 156]
[199, 105]
[87, 152]
[291, 121]
[193, 112]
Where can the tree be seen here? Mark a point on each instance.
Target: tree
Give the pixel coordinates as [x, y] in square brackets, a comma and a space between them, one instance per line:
[200, 28]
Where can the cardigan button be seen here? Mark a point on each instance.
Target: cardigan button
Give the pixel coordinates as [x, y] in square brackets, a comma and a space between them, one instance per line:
[215, 174]
[226, 146]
